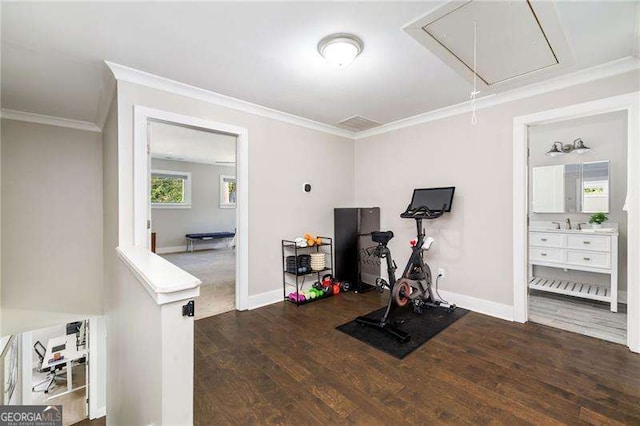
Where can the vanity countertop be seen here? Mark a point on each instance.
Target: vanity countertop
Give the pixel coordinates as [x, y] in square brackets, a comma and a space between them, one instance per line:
[603, 231]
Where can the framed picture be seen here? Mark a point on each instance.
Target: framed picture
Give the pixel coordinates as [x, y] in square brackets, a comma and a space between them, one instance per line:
[228, 193]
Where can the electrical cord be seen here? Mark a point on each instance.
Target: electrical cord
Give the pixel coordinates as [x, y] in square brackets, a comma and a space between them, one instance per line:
[438, 294]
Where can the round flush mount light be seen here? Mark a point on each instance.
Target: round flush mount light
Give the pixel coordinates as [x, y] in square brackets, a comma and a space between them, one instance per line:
[340, 49]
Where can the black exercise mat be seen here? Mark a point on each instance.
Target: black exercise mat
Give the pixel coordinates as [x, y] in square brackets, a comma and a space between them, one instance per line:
[421, 328]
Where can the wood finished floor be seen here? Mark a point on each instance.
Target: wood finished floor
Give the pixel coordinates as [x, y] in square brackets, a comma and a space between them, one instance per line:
[286, 365]
[101, 421]
[73, 404]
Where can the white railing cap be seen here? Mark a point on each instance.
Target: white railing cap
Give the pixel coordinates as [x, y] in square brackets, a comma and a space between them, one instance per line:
[164, 281]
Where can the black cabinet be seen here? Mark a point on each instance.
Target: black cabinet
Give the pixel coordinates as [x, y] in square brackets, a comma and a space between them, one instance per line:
[352, 236]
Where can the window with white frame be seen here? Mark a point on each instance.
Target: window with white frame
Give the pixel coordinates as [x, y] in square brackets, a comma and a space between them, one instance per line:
[228, 192]
[170, 189]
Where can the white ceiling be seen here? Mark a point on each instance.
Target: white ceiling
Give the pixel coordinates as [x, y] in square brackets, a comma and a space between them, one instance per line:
[510, 39]
[170, 142]
[265, 53]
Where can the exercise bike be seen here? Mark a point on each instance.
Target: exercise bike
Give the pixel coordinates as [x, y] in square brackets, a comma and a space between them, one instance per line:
[415, 285]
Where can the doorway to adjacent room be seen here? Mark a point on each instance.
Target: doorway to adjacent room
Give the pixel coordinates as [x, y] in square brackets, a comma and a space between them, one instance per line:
[193, 193]
[543, 245]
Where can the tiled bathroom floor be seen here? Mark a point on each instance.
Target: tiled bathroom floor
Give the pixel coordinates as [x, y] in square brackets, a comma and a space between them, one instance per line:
[582, 316]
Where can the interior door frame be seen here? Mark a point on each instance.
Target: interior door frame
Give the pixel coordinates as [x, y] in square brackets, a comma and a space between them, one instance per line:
[630, 103]
[141, 181]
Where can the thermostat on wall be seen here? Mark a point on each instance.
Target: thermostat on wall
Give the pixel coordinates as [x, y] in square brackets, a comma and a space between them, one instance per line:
[306, 187]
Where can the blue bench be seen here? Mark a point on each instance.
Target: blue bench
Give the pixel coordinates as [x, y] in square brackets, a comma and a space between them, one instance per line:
[206, 236]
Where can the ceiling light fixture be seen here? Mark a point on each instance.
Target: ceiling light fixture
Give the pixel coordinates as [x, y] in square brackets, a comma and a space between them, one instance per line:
[340, 49]
[558, 148]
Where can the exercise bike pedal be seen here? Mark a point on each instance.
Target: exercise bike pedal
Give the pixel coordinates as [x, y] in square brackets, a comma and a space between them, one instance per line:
[381, 284]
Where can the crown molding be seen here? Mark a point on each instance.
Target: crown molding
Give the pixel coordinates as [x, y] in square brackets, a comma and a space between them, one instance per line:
[30, 117]
[124, 73]
[131, 75]
[107, 94]
[609, 69]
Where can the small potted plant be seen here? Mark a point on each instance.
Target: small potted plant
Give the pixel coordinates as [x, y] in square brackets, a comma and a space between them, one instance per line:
[597, 219]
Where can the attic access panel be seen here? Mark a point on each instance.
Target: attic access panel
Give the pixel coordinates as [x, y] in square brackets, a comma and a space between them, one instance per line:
[515, 39]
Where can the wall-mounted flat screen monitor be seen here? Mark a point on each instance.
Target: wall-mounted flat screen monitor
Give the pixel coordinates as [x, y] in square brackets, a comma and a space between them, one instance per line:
[433, 198]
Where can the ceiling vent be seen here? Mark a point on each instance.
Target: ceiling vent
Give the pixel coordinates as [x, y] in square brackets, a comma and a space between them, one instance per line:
[515, 39]
[358, 124]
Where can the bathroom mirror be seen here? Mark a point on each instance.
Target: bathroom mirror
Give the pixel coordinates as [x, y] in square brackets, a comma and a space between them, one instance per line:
[556, 189]
[595, 187]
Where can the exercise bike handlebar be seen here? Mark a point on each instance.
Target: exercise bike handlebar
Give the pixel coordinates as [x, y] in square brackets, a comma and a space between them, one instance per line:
[423, 212]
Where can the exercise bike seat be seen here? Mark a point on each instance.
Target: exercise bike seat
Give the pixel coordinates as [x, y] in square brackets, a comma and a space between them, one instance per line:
[382, 237]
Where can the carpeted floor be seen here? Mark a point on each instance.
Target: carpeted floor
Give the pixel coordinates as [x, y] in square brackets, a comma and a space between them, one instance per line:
[216, 269]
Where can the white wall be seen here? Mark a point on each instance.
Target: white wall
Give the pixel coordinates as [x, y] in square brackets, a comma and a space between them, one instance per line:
[281, 158]
[205, 214]
[475, 242]
[1, 314]
[606, 135]
[52, 225]
[134, 358]
[116, 316]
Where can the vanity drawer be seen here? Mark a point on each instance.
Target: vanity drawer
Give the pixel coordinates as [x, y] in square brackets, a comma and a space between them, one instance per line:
[589, 242]
[540, 239]
[584, 258]
[545, 254]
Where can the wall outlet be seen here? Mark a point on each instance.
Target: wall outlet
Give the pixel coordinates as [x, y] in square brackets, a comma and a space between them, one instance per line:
[441, 272]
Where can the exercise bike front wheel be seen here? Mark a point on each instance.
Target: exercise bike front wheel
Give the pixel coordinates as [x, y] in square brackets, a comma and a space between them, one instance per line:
[401, 292]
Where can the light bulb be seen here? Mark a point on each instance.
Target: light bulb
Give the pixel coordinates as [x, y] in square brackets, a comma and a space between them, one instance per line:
[340, 54]
[340, 49]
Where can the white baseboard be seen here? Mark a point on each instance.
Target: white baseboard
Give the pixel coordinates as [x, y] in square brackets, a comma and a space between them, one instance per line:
[197, 247]
[175, 249]
[482, 306]
[100, 412]
[264, 299]
[622, 296]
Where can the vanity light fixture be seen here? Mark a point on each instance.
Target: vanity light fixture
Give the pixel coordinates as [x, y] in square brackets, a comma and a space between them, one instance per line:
[340, 49]
[558, 148]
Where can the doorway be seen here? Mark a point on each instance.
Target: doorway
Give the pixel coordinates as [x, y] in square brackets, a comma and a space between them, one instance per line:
[577, 268]
[558, 248]
[193, 194]
[57, 365]
[226, 190]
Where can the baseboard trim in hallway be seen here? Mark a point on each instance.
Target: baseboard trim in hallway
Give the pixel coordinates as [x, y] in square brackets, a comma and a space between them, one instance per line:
[482, 306]
[264, 299]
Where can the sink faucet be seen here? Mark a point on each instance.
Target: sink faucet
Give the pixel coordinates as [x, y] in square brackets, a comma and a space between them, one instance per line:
[569, 224]
[580, 225]
[557, 224]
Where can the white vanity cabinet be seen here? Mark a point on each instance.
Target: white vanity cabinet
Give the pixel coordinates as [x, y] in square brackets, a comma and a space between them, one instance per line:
[577, 250]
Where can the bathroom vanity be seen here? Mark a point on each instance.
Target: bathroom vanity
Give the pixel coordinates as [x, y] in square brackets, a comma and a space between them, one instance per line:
[582, 250]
